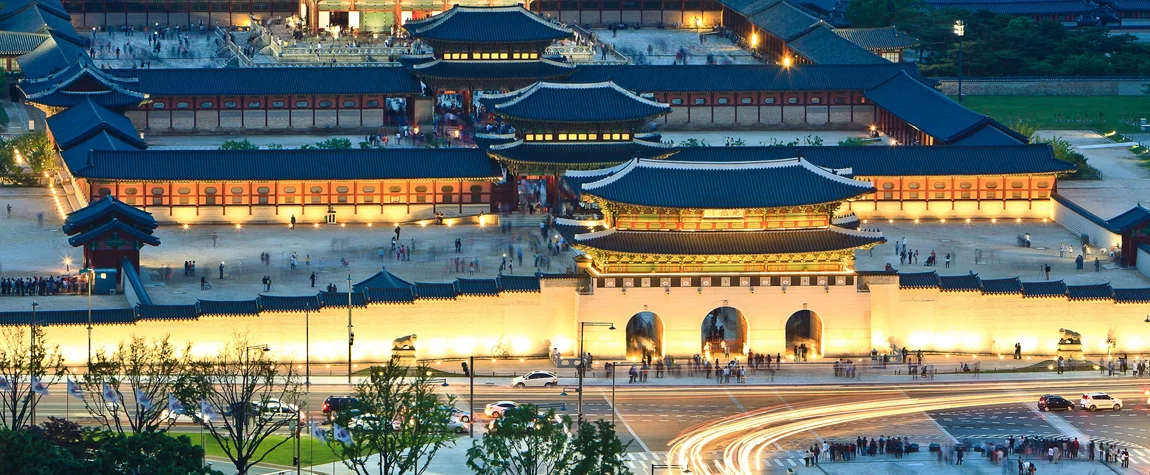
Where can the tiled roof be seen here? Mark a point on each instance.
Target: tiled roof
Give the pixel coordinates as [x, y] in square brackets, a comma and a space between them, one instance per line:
[1090, 292]
[273, 81]
[780, 19]
[583, 103]
[823, 46]
[169, 312]
[577, 153]
[1017, 7]
[1132, 295]
[487, 287]
[959, 283]
[925, 108]
[1002, 286]
[534, 70]
[400, 295]
[114, 226]
[881, 38]
[234, 308]
[439, 290]
[519, 283]
[339, 299]
[10, 8]
[807, 77]
[297, 304]
[1127, 5]
[724, 242]
[105, 208]
[725, 185]
[16, 43]
[56, 90]
[37, 19]
[80, 155]
[117, 316]
[292, 164]
[987, 134]
[902, 160]
[382, 280]
[574, 179]
[132, 279]
[921, 280]
[51, 56]
[1044, 289]
[1128, 220]
[485, 140]
[510, 24]
[85, 119]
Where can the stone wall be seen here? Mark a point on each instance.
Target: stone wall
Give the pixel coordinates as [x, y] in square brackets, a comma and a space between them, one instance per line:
[683, 117]
[1078, 224]
[1037, 208]
[1143, 262]
[1053, 86]
[162, 121]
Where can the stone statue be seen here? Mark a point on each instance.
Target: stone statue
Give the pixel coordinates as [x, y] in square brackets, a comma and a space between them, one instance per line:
[404, 343]
[1070, 337]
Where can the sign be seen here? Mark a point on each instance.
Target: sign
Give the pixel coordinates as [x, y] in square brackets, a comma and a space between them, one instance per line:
[722, 214]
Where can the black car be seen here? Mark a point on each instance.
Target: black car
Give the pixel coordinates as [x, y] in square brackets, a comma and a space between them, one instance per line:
[1052, 401]
[336, 404]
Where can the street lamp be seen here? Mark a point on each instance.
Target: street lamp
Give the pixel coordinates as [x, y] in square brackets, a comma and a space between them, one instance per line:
[91, 280]
[32, 358]
[959, 31]
[307, 348]
[581, 367]
[663, 466]
[350, 333]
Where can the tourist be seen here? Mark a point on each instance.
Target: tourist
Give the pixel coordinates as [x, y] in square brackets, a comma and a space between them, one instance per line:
[312, 279]
[221, 269]
[948, 260]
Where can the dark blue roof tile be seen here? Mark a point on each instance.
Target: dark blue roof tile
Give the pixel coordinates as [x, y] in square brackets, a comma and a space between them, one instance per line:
[823, 46]
[582, 102]
[1090, 292]
[959, 283]
[382, 280]
[339, 299]
[929, 110]
[808, 77]
[509, 24]
[85, 119]
[104, 209]
[397, 295]
[473, 287]
[51, 56]
[56, 90]
[881, 38]
[1001, 286]
[724, 185]
[780, 19]
[273, 81]
[577, 154]
[117, 316]
[169, 312]
[723, 242]
[921, 280]
[113, 226]
[1044, 289]
[234, 308]
[1132, 295]
[519, 283]
[296, 304]
[531, 70]
[440, 290]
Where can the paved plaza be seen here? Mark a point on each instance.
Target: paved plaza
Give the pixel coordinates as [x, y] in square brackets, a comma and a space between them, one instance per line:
[1124, 183]
[201, 51]
[666, 43]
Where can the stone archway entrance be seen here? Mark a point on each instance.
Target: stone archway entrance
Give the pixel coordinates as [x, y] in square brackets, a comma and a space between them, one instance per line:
[805, 332]
[645, 336]
[724, 331]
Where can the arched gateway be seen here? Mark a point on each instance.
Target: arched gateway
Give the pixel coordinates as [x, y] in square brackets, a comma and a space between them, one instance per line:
[724, 331]
[804, 332]
[644, 336]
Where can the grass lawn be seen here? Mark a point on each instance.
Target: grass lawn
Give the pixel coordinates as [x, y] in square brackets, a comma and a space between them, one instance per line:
[1102, 113]
[310, 454]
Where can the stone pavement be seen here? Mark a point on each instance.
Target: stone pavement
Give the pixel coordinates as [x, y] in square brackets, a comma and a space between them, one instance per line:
[1123, 185]
[667, 42]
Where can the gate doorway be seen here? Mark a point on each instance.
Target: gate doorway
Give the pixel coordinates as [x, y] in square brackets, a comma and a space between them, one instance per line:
[644, 336]
[804, 335]
[724, 333]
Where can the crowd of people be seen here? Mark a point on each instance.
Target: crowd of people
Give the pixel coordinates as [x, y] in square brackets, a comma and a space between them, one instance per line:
[40, 286]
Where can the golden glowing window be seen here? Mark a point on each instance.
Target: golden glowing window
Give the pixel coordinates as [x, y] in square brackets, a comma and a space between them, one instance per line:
[394, 189]
[626, 136]
[940, 195]
[502, 55]
[939, 185]
[964, 185]
[534, 55]
[1043, 184]
[592, 136]
[616, 136]
[547, 137]
[992, 195]
[991, 184]
[562, 136]
[485, 56]
[1016, 184]
[514, 55]
[582, 136]
[913, 186]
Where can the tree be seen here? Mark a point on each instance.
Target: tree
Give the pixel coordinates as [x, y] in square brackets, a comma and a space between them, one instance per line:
[274, 146]
[152, 453]
[407, 426]
[147, 371]
[244, 144]
[238, 384]
[525, 443]
[7, 160]
[600, 450]
[854, 142]
[873, 13]
[25, 453]
[68, 436]
[22, 360]
[36, 150]
[330, 144]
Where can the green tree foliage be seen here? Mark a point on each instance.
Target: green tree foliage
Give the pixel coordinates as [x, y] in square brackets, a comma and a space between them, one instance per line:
[274, 146]
[873, 13]
[153, 453]
[692, 142]
[19, 363]
[854, 142]
[330, 144]
[600, 450]
[139, 367]
[525, 443]
[7, 160]
[244, 144]
[26, 453]
[404, 421]
[1007, 45]
[36, 150]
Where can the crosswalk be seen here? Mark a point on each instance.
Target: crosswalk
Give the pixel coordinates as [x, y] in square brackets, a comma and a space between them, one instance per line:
[640, 462]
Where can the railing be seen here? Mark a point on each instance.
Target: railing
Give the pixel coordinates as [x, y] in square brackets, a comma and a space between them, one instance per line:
[244, 60]
[266, 36]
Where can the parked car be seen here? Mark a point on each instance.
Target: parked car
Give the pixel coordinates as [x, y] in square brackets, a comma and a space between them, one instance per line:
[542, 379]
[1050, 402]
[333, 405]
[1096, 401]
[498, 408]
[460, 415]
[370, 422]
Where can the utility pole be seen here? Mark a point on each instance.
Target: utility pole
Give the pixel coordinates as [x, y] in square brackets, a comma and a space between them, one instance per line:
[350, 333]
[960, 31]
[471, 399]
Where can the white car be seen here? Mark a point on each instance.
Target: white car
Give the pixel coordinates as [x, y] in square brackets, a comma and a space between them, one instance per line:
[457, 426]
[276, 408]
[460, 415]
[542, 379]
[498, 408]
[1096, 401]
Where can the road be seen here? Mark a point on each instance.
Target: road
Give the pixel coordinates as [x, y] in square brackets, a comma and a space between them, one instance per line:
[745, 426]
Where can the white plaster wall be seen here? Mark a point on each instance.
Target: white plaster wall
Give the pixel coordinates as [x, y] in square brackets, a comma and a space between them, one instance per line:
[1144, 262]
[1078, 225]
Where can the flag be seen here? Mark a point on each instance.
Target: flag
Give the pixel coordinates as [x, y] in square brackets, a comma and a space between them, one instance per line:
[75, 390]
[206, 411]
[341, 434]
[318, 433]
[39, 387]
[174, 405]
[143, 400]
[4, 386]
[110, 394]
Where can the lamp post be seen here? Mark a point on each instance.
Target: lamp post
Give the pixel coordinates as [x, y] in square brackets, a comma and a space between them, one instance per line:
[91, 280]
[32, 358]
[350, 333]
[959, 31]
[580, 367]
[307, 348]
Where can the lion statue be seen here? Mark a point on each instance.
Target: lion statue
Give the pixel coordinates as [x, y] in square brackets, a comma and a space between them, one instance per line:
[1070, 337]
[404, 342]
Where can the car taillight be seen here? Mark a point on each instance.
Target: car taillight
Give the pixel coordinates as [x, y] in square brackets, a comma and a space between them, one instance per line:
[326, 407]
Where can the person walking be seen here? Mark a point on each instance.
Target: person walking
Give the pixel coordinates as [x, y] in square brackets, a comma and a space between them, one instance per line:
[312, 279]
[221, 269]
[397, 232]
[215, 237]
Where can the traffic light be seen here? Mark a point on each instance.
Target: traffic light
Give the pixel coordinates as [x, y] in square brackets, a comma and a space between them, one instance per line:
[466, 371]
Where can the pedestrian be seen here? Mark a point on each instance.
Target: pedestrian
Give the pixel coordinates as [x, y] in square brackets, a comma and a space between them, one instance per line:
[948, 260]
[397, 232]
[1097, 265]
[293, 221]
[313, 279]
[632, 374]
[203, 283]
[221, 269]
[958, 455]
[215, 237]
[9, 211]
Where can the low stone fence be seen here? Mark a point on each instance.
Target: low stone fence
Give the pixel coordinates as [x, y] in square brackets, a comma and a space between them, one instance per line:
[1047, 86]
